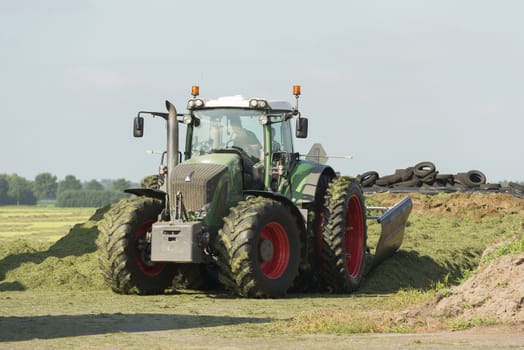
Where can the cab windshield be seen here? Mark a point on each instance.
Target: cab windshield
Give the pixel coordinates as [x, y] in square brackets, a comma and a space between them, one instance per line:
[215, 129]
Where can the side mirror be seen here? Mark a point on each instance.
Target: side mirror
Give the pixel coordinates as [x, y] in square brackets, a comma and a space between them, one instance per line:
[138, 127]
[301, 128]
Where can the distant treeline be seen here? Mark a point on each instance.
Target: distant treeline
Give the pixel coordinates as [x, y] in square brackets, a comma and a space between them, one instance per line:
[69, 192]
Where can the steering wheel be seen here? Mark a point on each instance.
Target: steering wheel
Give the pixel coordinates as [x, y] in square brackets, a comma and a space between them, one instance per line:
[244, 153]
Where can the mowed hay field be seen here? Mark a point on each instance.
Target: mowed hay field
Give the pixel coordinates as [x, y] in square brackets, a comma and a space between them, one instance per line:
[52, 294]
[43, 224]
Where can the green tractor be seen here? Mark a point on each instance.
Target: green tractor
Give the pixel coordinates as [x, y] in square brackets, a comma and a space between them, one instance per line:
[239, 207]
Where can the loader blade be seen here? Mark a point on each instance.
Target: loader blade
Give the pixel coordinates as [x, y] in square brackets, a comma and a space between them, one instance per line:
[393, 223]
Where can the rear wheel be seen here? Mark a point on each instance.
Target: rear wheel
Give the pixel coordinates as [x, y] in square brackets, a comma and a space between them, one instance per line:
[344, 236]
[258, 248]
[308, 278]
[123, 252]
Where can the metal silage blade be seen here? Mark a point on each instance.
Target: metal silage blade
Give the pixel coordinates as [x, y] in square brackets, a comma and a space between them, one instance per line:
[393, 222]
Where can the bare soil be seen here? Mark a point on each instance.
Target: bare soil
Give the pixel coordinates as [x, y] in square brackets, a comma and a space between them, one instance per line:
[492, 296]
[496, 290]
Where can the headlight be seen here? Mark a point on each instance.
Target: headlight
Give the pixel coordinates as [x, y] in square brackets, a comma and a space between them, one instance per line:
[187, 119]
[263, 119]
[261, 104]
[195, 103]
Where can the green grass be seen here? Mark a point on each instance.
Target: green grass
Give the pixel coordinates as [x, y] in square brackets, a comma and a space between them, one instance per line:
[45, 224]
[461, 324]
[47, 253]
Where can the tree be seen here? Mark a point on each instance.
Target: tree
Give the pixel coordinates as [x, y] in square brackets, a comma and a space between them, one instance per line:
[121, 184]
[45, 186]
[20, 189]
[69, 183]
[4, 187]
[107, 183]
[94, 185]
[89, 198]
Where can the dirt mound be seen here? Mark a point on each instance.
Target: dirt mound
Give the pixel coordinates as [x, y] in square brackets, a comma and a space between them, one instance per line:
[459, 204]
[494, 293]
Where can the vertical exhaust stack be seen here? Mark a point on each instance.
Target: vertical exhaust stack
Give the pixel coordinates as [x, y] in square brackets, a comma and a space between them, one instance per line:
[172, 151]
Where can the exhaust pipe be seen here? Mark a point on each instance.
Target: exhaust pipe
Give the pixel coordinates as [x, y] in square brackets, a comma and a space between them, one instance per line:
[172, 152]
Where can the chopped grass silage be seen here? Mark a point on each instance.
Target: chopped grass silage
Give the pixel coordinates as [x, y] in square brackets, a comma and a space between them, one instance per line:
[69, 263]
[445, 238]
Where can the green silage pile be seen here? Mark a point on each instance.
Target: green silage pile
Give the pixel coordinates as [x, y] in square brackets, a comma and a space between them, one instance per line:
[67, 264]
[444, 241]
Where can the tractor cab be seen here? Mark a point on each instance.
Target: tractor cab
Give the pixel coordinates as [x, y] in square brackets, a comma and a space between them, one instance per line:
[256, 129]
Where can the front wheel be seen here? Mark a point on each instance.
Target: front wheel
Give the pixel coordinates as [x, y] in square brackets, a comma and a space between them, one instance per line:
[124, 253]
[343, 236]
[258, 248]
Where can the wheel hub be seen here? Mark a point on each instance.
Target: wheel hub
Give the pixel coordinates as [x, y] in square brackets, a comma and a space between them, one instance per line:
[266, 250]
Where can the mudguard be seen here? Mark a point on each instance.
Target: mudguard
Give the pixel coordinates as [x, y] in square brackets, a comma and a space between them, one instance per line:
[147, 192]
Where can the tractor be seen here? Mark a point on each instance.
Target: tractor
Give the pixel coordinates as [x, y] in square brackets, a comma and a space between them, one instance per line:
[238, 207]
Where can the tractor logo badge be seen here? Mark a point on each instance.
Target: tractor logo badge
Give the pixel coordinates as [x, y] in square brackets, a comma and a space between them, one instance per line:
[189, 176]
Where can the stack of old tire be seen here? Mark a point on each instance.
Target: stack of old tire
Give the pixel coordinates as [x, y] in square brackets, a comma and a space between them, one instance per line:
[425, 174]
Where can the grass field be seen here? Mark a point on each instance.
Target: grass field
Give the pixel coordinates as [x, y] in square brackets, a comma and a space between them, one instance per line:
[52, 294]
[45, 224]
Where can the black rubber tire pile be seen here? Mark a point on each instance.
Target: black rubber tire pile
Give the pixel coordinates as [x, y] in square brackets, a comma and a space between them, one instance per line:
[424, 178]
[425, 174]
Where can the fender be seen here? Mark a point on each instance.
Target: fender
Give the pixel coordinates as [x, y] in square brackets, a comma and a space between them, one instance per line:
[284, 200]
[147, 192]
[304, 181]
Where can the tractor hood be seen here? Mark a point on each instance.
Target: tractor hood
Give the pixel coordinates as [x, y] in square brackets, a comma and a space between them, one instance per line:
[206, 184]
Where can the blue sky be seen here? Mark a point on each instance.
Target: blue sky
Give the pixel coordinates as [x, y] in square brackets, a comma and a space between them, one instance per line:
[392, 83]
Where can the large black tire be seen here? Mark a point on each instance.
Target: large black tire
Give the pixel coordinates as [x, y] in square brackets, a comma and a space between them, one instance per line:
[407, 184]
[424, 169]
[444, 180]
[368, 178]
[516, 186]
[258, 248]
[388, 180]
[473, 178]
[308, 279]
[405, 174]
[344, 236]
[122, 253]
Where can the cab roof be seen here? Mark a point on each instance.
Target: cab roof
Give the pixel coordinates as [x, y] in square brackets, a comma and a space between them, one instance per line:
[239, 101]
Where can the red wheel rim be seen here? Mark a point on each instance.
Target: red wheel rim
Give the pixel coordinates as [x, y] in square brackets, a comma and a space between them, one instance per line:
[275, 267]
[148, 268]
[354, 237]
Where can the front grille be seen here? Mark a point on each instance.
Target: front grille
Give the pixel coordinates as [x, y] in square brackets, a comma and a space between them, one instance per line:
[197, 182]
